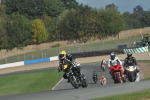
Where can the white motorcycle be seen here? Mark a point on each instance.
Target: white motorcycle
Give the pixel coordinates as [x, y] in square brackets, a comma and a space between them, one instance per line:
[131, 73]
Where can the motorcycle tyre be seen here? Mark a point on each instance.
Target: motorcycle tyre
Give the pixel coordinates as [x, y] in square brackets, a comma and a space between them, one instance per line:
[76, 86]
[117, 79]
[103, 69]
[84, 83]
[131, 77]
[95, 81]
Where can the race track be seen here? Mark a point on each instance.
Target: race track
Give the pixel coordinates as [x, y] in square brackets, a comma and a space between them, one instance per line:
[65, 91]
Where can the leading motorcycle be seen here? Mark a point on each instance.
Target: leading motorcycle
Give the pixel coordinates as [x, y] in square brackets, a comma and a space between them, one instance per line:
[116, 72]
[73, 75]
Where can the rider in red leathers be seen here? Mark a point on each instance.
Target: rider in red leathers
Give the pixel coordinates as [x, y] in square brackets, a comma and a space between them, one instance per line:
[103, 79]
[112, 59]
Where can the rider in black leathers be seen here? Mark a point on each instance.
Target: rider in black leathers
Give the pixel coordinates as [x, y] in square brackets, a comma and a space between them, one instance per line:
[95, 75]
[130, 61]
[62, 56]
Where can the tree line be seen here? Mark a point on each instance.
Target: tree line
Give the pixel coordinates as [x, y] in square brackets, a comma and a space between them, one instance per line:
[26, 22]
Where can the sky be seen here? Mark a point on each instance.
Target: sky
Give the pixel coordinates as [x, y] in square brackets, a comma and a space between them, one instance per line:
[123, 5]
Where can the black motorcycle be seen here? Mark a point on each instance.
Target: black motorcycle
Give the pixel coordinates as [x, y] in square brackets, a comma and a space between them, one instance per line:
[73, 75]
[95, 79]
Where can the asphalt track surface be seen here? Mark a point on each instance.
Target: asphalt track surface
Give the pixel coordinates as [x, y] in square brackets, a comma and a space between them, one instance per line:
[65, 91]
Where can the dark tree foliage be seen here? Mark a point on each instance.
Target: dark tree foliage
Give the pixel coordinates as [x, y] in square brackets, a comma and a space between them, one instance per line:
[111, 6]
[64, 20]
[18, 31]
[138, 19]
[69, 4]
[35, 8]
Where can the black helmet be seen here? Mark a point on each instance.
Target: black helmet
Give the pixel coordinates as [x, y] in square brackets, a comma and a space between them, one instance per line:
[129, 54]
[112, 55]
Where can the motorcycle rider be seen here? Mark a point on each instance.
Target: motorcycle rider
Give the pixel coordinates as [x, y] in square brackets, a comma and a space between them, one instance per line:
[95, 74]
[103, 79]
[111, 60]
[130, 61]
[103, 62]
[62, 56]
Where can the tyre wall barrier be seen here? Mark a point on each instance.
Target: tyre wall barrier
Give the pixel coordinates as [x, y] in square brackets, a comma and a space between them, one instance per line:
[136, 50]
[97, 53]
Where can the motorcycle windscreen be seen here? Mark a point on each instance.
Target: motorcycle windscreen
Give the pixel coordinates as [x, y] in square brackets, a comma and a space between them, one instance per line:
[131, 68]
[114, 63]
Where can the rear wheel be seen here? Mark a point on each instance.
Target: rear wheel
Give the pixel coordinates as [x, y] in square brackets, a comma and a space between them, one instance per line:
[103, 68]
[73, 81]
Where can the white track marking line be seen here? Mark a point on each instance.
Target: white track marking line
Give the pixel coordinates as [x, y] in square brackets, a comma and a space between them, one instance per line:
[57, 84]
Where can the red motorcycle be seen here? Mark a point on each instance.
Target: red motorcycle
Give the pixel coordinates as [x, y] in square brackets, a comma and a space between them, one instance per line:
[116, 72]
[103, 81]
[103, 67]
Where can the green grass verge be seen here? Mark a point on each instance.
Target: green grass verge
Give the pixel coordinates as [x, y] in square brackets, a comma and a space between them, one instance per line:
[143, 61]
[140, 95]
[29, 82]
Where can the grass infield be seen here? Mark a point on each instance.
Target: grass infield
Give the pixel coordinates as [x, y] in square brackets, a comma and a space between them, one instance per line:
[29, 82]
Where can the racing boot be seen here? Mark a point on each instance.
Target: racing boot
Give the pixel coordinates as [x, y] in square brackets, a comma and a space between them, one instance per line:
[68, 81]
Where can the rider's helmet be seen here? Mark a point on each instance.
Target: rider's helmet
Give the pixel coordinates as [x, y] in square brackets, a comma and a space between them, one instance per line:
[94, 72]
[62, 54]
[112, 55]
[103, 77]
[129, 54]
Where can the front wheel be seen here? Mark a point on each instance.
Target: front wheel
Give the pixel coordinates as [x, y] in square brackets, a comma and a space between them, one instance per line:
[84, 83]
[73, 81]
[117, 78]
[131, 77]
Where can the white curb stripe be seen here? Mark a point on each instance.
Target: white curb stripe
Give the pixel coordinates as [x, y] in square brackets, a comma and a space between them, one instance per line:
[57, 84]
